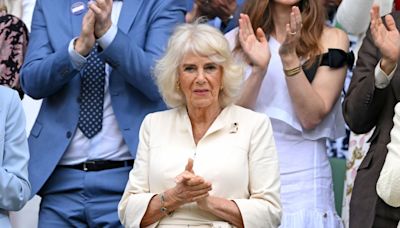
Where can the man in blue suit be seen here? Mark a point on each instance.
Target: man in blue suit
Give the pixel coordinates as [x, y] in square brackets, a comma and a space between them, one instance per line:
[91, 64]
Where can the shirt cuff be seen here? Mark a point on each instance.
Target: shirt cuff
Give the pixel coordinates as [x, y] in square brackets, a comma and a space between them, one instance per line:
[78, 61]
[381, 79]
[108, 37]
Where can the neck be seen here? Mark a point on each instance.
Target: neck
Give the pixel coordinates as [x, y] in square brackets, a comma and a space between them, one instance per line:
[201, 119]
[281, 18]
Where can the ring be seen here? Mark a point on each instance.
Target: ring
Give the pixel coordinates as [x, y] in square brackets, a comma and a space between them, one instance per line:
[292, 33]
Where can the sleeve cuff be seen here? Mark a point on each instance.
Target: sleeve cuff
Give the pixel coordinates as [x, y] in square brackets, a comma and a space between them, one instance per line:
[255, 214]
[381, 79]
[136, 207]
[77, 60]
[108, 37]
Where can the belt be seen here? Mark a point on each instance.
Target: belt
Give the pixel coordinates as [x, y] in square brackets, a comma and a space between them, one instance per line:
[99, 165]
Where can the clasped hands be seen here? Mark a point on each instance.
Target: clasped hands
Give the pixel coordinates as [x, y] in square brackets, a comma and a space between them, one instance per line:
[95, 24]
[190, 188]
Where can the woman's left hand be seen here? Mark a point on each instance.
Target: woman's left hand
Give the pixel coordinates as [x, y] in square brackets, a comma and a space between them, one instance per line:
[293, 33]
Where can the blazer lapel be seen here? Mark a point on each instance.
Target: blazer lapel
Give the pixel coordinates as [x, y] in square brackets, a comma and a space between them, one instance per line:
[128, 13]
[77, 15]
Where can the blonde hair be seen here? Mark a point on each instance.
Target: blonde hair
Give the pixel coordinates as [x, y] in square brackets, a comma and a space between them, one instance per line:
[202, 40]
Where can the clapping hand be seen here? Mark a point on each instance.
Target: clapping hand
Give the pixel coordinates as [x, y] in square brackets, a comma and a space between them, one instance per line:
[190, 187]
[86, 39]
[293, 33]
[255, 46]
[386, 38]
[102, 11]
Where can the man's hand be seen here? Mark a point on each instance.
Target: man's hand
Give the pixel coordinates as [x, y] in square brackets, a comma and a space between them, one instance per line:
[386, 39]
[102, 12]
[84, 43]
[216, 8]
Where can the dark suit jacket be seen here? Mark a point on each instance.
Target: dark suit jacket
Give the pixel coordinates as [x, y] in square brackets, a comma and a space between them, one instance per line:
[365, 107]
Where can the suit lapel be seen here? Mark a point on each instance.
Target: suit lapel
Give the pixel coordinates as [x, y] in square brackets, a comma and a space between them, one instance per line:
[76, 18]
[128, 13]
[395, 84]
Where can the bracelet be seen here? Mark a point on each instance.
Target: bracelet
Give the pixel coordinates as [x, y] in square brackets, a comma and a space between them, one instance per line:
[293, 71]
[163, 209]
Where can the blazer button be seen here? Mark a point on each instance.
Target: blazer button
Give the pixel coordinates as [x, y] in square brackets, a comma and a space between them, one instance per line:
[69, 134]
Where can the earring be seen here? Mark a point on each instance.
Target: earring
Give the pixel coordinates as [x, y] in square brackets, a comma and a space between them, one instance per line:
[178, 87]
[221, 88]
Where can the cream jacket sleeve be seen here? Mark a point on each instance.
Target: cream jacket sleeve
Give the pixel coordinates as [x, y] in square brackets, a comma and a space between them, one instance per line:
[136, 197]
[388, 185]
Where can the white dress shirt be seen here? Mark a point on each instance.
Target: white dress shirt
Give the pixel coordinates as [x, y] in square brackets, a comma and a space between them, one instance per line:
[381, 78]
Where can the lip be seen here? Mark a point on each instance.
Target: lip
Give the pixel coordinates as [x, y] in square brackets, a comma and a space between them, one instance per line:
[201, 91]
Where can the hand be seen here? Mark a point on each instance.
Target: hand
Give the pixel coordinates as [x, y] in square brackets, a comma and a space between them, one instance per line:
[216, 8]
[255, 46]
[203, 203]
[293, 33]
[102, 11]
[189, 187]
[192, 15]
[386, 38]
[86, 39]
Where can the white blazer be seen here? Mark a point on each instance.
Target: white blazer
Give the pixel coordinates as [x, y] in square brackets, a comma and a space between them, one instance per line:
[14, 155]
[237, 155]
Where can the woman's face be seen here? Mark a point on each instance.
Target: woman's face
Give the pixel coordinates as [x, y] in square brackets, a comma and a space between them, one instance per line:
[200, 80]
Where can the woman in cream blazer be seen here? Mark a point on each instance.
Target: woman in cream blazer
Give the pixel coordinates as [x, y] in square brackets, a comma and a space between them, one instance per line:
[206, 162]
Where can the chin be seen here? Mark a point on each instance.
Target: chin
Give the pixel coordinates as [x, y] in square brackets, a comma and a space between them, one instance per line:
[201, 104]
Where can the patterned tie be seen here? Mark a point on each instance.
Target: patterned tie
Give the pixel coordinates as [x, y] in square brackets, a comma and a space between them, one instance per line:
[92, 95]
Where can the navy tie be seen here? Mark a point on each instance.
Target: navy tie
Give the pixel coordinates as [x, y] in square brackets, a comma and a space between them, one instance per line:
[92, 95]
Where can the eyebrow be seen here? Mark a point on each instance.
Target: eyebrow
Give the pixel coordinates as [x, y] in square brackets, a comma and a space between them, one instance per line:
[194, 64]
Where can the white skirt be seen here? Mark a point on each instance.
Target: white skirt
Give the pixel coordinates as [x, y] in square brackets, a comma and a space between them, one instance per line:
[306, 180]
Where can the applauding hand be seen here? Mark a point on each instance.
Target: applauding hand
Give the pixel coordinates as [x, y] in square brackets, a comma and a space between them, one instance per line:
[255, 46]
[189, 187]
[386, 38]
[293, 32]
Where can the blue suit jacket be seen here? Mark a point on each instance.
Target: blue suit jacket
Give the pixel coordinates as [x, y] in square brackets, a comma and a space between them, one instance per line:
[144, 28]
[14, 155]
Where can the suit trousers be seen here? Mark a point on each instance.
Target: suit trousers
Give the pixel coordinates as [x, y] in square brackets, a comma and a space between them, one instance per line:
[76, 198]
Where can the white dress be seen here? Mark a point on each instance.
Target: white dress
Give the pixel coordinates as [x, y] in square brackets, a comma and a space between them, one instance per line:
[306, 180]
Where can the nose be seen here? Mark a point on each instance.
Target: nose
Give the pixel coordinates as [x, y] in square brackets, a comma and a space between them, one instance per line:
[201, 73]
[201, 78]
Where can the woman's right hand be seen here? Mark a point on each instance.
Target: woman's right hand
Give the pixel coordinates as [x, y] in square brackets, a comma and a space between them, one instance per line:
[189, 187]
[255, 46]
